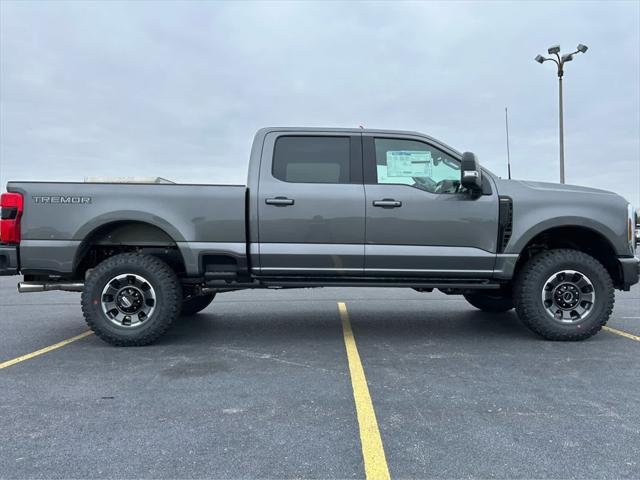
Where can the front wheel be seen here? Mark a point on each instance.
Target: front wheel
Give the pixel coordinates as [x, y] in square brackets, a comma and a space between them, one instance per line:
[131, 299]
[487, 302]
[564, 295]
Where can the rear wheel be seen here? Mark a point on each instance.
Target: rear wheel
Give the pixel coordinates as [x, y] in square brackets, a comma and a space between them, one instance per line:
[564, 295]
[193, 305]
[490, 302]
[131, 299]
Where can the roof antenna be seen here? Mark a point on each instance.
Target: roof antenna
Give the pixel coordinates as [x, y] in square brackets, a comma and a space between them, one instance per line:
[506, 124]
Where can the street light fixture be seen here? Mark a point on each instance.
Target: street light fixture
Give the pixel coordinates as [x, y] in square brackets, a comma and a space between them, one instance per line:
[560, 61]
[554, 50]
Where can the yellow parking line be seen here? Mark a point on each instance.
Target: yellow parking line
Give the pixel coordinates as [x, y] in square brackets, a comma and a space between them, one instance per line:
[622, 333]
[375, 462]
[8, 363]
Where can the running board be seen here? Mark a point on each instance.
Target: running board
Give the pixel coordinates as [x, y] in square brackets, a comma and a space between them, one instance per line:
[451, 283]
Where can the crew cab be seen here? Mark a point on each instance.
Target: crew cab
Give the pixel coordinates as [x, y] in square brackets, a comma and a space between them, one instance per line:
[325, 207]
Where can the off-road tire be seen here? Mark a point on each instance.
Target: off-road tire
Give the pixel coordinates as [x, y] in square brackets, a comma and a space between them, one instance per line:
[158, 274]
[490, 303]
[528, 294]
[193, 305]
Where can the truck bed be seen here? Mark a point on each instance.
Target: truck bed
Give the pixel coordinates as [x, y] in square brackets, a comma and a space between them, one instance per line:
[58, 216]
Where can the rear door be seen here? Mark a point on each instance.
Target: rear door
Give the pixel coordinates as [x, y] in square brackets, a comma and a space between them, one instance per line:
[311, 211]
[419, 220]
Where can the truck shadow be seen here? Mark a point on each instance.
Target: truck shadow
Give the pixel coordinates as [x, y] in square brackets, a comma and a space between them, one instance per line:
[319, 325]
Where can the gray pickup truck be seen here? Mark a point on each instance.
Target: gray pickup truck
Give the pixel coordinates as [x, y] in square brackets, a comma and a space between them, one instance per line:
[325, 207]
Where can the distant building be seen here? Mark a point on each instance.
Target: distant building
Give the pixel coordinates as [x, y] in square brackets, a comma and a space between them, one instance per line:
[126, 180]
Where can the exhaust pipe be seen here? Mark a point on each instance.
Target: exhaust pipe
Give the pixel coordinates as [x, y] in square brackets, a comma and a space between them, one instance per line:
[28, 287]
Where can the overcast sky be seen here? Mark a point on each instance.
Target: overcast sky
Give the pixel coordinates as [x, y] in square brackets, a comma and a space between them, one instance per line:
[178, 89]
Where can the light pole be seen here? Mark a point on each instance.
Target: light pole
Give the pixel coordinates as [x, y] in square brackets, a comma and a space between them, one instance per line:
[560, 61]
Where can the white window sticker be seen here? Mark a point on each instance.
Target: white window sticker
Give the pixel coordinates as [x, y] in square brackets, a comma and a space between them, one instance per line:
[409, 163]
[384, 178]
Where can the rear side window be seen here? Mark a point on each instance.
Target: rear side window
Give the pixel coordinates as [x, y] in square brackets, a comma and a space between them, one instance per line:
[300, 159]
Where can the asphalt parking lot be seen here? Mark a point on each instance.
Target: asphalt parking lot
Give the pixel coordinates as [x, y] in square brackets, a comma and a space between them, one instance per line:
[259, 386]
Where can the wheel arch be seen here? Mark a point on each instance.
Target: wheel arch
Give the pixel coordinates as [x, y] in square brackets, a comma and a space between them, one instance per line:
[119, 236]
[577, 237]
[127, 216]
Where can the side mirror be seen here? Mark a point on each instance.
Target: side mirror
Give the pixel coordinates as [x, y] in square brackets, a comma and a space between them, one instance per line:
[470, 172]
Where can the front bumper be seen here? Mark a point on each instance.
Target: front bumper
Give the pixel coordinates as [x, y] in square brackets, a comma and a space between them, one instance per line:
[8, 260]
[630, 268]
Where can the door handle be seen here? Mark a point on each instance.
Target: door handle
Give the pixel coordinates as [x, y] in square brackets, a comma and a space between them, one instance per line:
[387, 203]
[279, 201]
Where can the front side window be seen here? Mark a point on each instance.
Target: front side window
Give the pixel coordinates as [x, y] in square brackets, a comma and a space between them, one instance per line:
[417, 164]
[312, 159]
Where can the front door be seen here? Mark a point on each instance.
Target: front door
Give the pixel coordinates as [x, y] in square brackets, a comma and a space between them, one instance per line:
[420, 221]
[311, 210]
